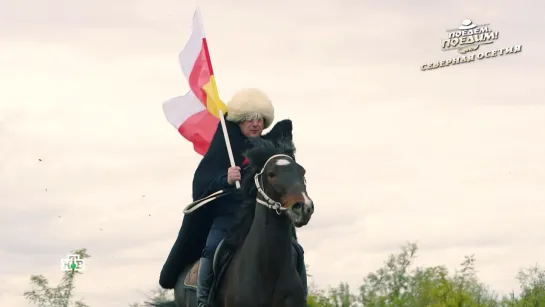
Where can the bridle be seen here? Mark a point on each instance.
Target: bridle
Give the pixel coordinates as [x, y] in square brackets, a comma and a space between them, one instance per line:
[267, 201]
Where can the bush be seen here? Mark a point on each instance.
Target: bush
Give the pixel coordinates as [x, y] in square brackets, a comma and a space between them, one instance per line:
[396, 284]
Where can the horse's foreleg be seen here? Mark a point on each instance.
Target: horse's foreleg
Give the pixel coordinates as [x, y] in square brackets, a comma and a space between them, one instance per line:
[291, 301]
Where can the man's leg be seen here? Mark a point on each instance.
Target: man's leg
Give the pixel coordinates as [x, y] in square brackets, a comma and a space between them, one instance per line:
[299, 260]
[206, 273]
[204, 281]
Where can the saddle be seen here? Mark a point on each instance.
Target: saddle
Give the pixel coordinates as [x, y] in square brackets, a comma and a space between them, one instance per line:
[222, 257]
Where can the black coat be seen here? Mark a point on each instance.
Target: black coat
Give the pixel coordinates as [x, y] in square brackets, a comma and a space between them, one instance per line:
[210, 176]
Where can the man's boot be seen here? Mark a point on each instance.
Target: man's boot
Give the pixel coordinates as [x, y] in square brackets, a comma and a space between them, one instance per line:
[204, 282]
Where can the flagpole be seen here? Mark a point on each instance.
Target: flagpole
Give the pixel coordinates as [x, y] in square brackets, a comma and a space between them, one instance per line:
[228, 144]
[220, 112]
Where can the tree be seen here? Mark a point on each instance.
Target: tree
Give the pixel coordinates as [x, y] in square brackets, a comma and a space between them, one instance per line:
[398, 284]
[62, 295]
[532, 286]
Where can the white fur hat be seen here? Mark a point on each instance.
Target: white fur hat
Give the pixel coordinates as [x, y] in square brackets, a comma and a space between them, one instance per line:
[248, 103]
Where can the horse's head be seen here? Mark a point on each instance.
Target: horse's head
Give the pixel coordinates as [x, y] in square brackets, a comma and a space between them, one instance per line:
[280, 181]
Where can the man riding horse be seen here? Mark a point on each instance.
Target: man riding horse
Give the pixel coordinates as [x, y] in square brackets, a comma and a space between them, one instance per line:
[249, 112]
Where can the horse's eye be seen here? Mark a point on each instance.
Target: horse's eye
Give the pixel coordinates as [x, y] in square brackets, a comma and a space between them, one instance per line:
[271, 174]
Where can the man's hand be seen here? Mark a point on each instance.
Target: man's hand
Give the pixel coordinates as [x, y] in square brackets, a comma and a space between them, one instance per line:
[233, 175]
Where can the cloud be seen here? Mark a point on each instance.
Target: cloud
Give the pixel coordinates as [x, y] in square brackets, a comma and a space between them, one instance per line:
[451, 158]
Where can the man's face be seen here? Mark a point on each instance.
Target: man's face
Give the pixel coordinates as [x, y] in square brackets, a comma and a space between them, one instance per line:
[252, 128]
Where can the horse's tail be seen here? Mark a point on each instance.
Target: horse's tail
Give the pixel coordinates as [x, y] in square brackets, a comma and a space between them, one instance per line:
[161, 304]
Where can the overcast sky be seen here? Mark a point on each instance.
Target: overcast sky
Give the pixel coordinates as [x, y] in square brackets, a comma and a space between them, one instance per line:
[453, 159]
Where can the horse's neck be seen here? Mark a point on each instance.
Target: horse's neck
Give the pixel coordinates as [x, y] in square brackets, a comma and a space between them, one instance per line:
[271, 237]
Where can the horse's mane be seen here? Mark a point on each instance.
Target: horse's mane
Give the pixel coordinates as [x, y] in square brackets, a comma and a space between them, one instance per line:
[261, 150]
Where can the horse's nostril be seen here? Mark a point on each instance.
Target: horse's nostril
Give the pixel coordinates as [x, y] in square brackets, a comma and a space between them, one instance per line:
[297, 206]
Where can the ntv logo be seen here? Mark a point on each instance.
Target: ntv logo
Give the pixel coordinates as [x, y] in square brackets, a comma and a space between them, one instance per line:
[468, 37]
[72, 263]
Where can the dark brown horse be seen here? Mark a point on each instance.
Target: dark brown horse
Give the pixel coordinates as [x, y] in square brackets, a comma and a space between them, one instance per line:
[261, 271]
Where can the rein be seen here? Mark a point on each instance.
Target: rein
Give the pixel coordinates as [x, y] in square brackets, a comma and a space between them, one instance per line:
[267, 201]
[258, 179]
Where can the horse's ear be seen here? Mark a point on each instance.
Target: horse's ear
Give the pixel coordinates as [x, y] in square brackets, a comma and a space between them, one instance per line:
[286, 146]
[282, 130]
[259, 152]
